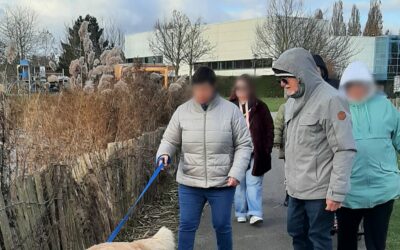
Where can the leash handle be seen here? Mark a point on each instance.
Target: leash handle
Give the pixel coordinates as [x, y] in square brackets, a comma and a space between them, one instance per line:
[161, 158]
[131, 209]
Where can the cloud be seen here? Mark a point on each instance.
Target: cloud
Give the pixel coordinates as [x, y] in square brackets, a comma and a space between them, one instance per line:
[140, 15]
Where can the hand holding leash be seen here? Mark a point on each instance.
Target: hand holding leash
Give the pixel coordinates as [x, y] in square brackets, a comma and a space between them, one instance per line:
[165, 160]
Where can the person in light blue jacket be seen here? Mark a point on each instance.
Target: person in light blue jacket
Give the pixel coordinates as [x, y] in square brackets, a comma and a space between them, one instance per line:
[375, 178]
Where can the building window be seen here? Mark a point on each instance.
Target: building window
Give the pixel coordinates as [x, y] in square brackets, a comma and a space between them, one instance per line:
[146, 60]
[237, 64]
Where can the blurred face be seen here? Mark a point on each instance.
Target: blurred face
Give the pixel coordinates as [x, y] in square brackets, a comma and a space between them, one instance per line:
[290, 85]
[357, 91]
[203, 92]
[242, 91]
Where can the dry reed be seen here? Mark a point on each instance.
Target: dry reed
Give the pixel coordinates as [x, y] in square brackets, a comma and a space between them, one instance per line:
[55, 129]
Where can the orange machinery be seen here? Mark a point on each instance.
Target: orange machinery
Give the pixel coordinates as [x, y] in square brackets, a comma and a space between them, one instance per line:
[162, 69]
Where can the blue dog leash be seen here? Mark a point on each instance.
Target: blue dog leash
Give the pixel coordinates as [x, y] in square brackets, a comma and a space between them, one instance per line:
[131, 209]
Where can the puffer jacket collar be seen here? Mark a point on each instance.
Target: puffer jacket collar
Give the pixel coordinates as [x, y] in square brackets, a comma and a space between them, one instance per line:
[211, 105]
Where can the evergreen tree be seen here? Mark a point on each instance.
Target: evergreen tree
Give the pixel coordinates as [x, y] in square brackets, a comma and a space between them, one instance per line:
[374, 24]
[338, 26]
[354, 26]
[72, 48]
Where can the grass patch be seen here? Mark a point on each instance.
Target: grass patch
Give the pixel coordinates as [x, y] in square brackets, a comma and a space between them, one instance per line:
[273, 103]
[393, 240]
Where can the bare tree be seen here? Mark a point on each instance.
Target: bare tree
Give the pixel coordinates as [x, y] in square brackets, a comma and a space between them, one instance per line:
[288, 25]
[113, 34]
[46, 49]
[337, 24]
[19, 25]
[354, 26]
[196, 45]
[374, 24]
[170, 39]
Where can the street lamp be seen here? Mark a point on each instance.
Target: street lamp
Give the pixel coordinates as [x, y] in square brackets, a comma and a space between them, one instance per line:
[255, 57]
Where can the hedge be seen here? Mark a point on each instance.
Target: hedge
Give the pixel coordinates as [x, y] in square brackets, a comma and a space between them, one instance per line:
[266, 86]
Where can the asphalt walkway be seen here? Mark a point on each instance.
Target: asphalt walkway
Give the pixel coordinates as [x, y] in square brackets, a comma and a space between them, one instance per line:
[271, 235]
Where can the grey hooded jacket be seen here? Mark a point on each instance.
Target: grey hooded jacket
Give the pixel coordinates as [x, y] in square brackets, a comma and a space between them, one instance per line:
[215, 144]
[319, 148]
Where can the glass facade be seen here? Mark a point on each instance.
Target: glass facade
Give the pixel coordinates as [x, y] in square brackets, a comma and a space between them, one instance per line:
[146, 60]
[387, 58]
[394, 57]
[236, 64]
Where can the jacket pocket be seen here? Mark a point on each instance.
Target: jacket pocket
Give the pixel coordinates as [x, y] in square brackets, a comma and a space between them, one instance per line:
[219, 171]
[308, 131]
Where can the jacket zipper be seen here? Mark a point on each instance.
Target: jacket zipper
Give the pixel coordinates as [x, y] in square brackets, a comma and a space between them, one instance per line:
[204, 148]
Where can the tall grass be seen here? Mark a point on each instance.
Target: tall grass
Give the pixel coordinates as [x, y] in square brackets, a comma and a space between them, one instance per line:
[54, 129]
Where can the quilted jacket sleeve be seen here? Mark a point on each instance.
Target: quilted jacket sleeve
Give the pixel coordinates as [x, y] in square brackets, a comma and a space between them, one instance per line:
[172, 137]
[396, 132]
[242, 144]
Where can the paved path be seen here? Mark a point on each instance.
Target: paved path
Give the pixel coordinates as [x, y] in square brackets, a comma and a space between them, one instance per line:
[271, 234]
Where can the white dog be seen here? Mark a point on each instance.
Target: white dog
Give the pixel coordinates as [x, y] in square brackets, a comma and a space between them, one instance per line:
[163, 240]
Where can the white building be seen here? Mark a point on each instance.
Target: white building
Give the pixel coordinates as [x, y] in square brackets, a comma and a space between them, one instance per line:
[233, 54]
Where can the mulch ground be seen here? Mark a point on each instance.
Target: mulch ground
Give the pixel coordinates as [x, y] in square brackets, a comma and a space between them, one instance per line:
[162, 211]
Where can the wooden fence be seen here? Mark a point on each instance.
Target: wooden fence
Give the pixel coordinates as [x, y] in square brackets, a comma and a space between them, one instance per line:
[74, 207]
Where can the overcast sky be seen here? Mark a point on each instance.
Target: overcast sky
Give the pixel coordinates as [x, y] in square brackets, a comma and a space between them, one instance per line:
[139, 15]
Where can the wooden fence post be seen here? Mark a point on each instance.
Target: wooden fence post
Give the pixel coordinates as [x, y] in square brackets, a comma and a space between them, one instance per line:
[5, 225]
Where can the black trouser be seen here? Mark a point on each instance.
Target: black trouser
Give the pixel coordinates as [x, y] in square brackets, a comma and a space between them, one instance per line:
[376, 223]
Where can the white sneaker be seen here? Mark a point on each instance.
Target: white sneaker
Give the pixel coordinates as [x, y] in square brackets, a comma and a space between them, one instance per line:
[254, 220]
[241, 219]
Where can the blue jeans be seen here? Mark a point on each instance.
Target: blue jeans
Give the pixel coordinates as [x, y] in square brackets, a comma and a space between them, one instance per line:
[191, 204]
[309, 224]
[248, 196]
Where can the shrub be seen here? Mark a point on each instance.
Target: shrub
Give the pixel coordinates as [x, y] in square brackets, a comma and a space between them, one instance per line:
[57, 128]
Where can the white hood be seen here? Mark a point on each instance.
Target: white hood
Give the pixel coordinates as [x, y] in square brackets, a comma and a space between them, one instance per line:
[357, 72]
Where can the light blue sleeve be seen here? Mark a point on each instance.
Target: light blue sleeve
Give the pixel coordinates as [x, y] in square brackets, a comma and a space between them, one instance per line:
[395, 114]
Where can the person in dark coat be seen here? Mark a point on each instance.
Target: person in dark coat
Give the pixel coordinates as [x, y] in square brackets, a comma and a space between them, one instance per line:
[248, 196]
[321, 65]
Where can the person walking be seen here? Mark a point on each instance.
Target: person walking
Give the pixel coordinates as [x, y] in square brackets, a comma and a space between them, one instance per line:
[319, 150]
[323, 70]
[215, 149]
[248, 195]
[375, 177]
